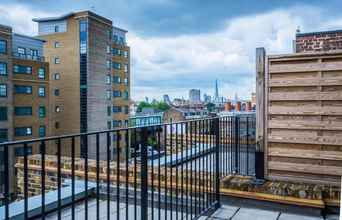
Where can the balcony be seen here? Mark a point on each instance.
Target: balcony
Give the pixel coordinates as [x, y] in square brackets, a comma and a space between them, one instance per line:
[28, 57]
[164, 171]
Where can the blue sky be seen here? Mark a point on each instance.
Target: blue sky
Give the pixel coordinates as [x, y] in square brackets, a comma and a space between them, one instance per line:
[177, 45]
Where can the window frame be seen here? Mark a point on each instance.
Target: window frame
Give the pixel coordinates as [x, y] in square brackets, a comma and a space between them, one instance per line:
[5, 43]
[39, 76]
[5, 68]
[3, 84]
[39, 90]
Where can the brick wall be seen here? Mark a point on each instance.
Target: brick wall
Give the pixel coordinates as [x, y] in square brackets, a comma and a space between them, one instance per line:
[319, 41]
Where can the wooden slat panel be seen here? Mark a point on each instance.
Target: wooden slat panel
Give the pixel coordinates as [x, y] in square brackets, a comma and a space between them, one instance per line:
[302, 124]
[305, 96]
[305, 82]
[310, 154]
[305, 168]
[305, 67]
[306, 110]
[305, 139]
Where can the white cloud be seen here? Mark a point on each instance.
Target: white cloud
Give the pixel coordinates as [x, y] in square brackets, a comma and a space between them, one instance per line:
[20, 18]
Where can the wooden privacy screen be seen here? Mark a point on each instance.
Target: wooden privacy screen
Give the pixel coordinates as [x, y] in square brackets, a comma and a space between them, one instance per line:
[304, 117]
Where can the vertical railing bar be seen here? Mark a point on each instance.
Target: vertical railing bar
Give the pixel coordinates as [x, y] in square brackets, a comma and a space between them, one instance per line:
[176, 170]
[25, 182]
[207, 163]
[73, 178]
[85, 142]
[135, 173]
[187, 169]
[127, 171]
[182, 170]
[196, 171]
[231, 143]
[202, 155]
[7, 180]
[247, 144]
[97, 176]
[108, 173]
[159, 174]
[42, 151]
[226, 145]
[165, 170]
[217, 159]
[118, 175]
[59, 176]
[191, 179]
[152, 176]
[144, 175]
[171, 187]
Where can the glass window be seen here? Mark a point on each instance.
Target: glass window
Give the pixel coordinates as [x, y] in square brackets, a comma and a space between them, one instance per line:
[57, 124]
[3, 68]
[56, 92]
[19, 151]
[34, 53]
[42, 112]
[108, 94]
[22, 69]
[126, 81]
[116, 123]
[57, 60]
[41, 73]
[23, 131]
[42, 131]
[21, 51]
[3, 135]
[116, 65]
[57, 44]
[108, 49]
[3, 46]
[23, 89]
[117, 109]
[109, 111]
[115, 38]
[3, 113]
[126, 95]
[23, 111]
[126, 109]
[56, 76]
[116, 93]
[3, 90]
[125, 53]
[108, 64]
[57, 109]
[117, 79]
[41, 91]
[56, 28]
[126, 68]
[108, 79]
[109, 124]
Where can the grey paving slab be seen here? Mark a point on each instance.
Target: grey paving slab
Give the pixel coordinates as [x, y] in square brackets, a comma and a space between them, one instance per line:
[225, 212]
[255, 214]
[333, 217]
[287, 216]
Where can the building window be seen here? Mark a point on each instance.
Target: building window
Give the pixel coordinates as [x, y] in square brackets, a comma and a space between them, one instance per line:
[117, 123]
[109, 111]
[3, 135]
[22, 89]
[116, 93]
[117, 109]
[42, 112]
[126, 68]
[56, 76]
[108, 64]
[23, 131]
[57, 44]
[3, 90]
[56, 28]
[126, 109]
[109, 124]
[126, 95]
[56, 92]
[21, 51]
[115, 38]
[23, 111]
[125, 53]
[3, 113]
[22, 69]
[42, 131]
[108, 49]
[41, 73]
[57, 109]
[34, 54]
[3, 46]
[3, 69]
[20, 152]
[126, 81]
[41, 91]
[116, 65]
[57, 60]
[117, 79]
[108, 79]
[108, 95]
[57, 125]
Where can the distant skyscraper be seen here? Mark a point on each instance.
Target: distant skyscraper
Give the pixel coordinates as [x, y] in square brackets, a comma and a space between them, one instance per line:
[216, 97]
[167, 99]
[195, 96]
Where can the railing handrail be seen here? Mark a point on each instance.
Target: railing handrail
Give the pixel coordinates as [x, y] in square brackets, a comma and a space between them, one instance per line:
[51, 138]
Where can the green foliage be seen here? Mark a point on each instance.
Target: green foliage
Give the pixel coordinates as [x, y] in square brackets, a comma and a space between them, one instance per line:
[162, 106]
[210, 106]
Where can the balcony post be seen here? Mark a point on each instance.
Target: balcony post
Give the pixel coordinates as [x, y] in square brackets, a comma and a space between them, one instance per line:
[144, 174]
[217, 161]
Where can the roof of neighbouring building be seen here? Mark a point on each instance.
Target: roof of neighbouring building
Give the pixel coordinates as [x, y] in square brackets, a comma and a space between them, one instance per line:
[318, 32]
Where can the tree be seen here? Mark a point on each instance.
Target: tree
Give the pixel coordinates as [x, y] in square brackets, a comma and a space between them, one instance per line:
[161, 106]
[210, 106]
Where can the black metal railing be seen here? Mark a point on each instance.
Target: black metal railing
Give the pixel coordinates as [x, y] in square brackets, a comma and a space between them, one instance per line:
[166, 171]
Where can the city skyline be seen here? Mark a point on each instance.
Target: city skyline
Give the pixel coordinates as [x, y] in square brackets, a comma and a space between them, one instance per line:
[171, 59]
